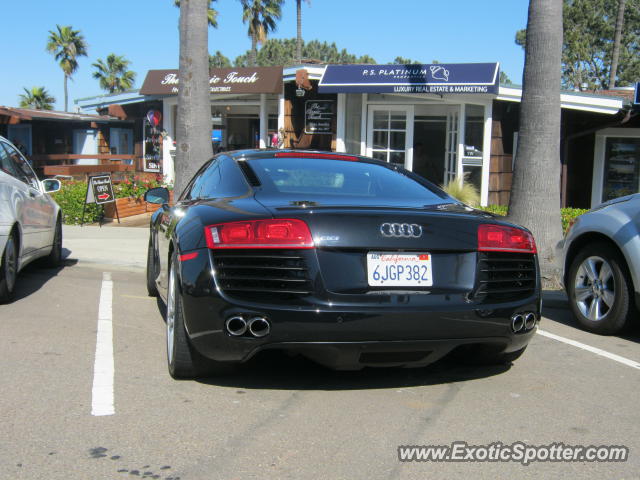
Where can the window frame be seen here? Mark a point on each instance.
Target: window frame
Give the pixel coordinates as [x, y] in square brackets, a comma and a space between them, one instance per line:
[599, 161]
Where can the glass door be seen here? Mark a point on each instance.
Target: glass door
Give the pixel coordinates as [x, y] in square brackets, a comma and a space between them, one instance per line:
[390, 133]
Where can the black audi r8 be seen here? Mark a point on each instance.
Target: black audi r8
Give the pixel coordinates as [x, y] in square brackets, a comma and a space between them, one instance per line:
[349, 261]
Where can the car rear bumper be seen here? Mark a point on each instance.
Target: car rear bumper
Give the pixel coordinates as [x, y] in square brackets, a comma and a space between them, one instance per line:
[348, 339]
[349, 331]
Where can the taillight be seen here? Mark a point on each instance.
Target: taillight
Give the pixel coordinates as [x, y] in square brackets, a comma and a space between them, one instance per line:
[500, 238]
[271, 233]
[330, 156]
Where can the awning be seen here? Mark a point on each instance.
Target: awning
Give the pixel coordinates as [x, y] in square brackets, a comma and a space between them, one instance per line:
[441, 78]
[29, 114]
[221, 80]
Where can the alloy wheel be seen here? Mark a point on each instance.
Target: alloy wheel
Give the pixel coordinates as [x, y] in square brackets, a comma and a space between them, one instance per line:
[594, 288]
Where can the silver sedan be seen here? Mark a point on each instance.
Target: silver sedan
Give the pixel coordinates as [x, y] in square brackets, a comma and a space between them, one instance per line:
[30, 220]
[601, 254]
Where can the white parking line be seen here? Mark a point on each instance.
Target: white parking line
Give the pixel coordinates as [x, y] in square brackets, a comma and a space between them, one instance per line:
[589, 348]
[103, 369]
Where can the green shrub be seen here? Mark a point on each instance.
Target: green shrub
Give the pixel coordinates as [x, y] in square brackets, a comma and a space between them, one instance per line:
[71, 200]
[72, 194]
[465, 192]
[567, 214]
[495, 209]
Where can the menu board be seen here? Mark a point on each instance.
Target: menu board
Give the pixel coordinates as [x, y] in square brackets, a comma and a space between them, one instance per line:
[152, 143]
[99, 190]
[318, 116]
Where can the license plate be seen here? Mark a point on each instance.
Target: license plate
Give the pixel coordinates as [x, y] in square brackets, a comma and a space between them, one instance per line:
[399, 269]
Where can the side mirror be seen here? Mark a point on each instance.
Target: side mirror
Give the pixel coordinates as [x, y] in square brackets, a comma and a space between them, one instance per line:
[51, 185]
[159, 195]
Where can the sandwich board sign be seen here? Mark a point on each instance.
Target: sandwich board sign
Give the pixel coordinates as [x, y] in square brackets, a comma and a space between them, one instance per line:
[99, 191]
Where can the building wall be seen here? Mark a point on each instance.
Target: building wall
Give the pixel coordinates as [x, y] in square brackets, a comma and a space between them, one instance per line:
[505, 124]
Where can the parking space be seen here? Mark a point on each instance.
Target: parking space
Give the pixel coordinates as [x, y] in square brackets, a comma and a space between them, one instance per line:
[282, 417]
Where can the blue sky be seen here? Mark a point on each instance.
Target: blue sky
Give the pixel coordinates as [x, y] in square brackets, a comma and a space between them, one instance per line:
[146, 32]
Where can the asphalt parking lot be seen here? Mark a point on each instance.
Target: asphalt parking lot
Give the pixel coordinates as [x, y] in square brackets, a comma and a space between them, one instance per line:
[281, 417]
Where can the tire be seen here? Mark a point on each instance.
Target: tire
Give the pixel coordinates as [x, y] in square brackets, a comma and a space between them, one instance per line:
[599, 289]
[183, 361]
[9, 269]
[152, 289]
[480, 355]
[181, 358]
[54, 259]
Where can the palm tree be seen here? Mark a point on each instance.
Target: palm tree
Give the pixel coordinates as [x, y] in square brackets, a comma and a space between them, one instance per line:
[261, 15]
[535, 194]
[67, 45]
[616, 44]
[299, 29]
[212, 14]
[37, 98]
[193, 133]
[113, 75]
[218, 60]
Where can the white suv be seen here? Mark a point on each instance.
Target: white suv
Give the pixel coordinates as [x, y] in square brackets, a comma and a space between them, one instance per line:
[30, 220]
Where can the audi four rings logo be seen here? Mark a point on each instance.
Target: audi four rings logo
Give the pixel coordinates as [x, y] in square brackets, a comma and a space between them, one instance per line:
[405, 230]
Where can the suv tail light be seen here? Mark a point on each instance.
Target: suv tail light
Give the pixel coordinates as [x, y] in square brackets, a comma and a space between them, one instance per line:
[500, 238]
[271, 233]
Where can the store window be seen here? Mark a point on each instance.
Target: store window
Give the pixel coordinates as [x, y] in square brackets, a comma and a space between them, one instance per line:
[621, 168]
[121, 143]
[389, 135]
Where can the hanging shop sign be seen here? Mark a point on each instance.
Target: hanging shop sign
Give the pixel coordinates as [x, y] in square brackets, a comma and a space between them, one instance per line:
[636, 96]
[456, 78]
[221, 80]
[318, 116]
[152, 144]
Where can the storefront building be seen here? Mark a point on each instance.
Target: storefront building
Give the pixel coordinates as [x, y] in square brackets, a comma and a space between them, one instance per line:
[245, 103]
[445, 122]
[454, 121]
[433, 119]
[69, 144]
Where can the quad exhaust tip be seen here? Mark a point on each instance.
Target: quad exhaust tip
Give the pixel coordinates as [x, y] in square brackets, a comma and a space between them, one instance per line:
[257, 327]
[529, 321]
[517, 323]
[236, 326]
[523, 322]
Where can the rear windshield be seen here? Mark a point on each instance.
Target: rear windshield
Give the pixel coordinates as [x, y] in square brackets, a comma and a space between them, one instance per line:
[311, 177]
